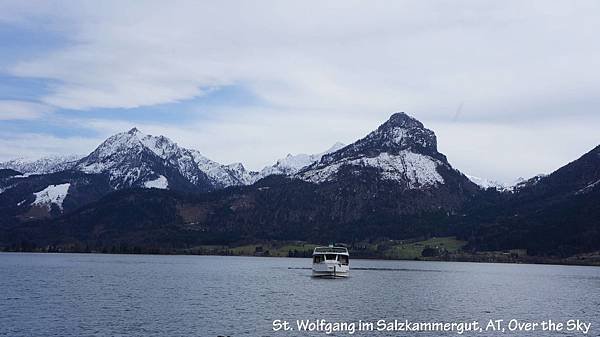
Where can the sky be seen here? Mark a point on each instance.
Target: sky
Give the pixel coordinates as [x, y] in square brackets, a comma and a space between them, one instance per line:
[511, 88]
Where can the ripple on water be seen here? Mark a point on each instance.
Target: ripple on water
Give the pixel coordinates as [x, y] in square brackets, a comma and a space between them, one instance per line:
[116, 295]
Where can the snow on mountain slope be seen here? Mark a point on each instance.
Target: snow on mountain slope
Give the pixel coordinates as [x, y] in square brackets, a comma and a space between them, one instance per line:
[2, 189]
[160, 182]
[506, 187]
[291, 164]
[132, 158]
[416, 169]
[400, 132]
[486, 183]
[222, 175]
[589, 187]
[53, 194]
[125, 158]
[521, 182]
[400, 150]
[42, 165]
[243, 176]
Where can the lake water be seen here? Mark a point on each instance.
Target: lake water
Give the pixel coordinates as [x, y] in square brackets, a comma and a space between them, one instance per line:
[142, 295]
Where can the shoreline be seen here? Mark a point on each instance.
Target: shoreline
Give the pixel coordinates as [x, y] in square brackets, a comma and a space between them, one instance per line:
[571, 261]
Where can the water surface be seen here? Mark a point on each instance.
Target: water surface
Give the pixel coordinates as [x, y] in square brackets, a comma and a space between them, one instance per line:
[144, 295]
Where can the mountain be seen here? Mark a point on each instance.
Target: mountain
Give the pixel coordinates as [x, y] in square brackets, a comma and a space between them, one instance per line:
[555, 214]
[291, 164]
[487, 183]
[134, 159]
[51, 186]
[401, 150]
[26, 198]
[392, 183]
[515, 185]
[44, 165]
[7, 173]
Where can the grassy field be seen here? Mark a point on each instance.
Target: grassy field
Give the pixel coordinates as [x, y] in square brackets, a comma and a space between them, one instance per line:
[279, 249]
[276, 249]
[408, 250]
[389, 249]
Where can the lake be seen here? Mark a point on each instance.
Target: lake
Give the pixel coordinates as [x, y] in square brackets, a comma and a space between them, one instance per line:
[145, 295]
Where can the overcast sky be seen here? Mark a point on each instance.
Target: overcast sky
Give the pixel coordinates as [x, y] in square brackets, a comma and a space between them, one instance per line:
[510, 88]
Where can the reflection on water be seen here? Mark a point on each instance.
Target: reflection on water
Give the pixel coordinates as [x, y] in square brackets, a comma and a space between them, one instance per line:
[141, 295]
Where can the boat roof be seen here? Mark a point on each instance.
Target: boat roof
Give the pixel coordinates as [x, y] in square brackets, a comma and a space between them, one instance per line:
[330, 250]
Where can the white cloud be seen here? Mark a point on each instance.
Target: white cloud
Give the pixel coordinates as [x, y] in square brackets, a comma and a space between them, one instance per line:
[331, 71]
[422, 55]
[499, 151]
[35, 145]
[256, 138]
[507, 151]
[21, 110]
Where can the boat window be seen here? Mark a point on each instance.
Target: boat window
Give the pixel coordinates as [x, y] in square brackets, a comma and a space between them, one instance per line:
[318, 258]
[344, 259]
[330, 256]
[331, 249]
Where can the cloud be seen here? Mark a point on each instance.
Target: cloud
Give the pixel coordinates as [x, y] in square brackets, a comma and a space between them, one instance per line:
[21, 110]
[329, 71]
[256, 139]
[507, 151]
[35, 145]
[379, 56]
[500, 151]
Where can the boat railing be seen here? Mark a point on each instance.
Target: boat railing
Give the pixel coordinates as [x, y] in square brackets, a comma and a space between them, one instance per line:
[335, 250]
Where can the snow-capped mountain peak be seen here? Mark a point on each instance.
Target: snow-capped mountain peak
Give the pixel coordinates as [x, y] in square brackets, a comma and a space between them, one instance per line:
[521, 182]
[401, 150]
[487, 183]
[513, 186]
[127, 159]
[44, 165]
[399, 133]
[135, 140]
[222, 175]
[133, 158]
[291, 164]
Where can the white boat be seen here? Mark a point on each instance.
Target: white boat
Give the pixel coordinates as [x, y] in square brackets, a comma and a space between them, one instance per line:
[331, 262]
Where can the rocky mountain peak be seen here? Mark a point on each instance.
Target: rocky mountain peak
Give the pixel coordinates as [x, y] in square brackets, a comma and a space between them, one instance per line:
[400, 150]
[291, 164]
[133, 131]
[399, 133]
[44, 165]
[403, 132]
[403, 120]
[133, 158]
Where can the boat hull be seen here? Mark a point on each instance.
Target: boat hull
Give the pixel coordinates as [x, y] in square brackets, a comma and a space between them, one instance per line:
[326, 269]
[329, 274]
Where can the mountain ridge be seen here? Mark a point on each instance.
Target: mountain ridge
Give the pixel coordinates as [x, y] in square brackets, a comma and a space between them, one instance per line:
[390, 184]
[42, 165]
[277, 206]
